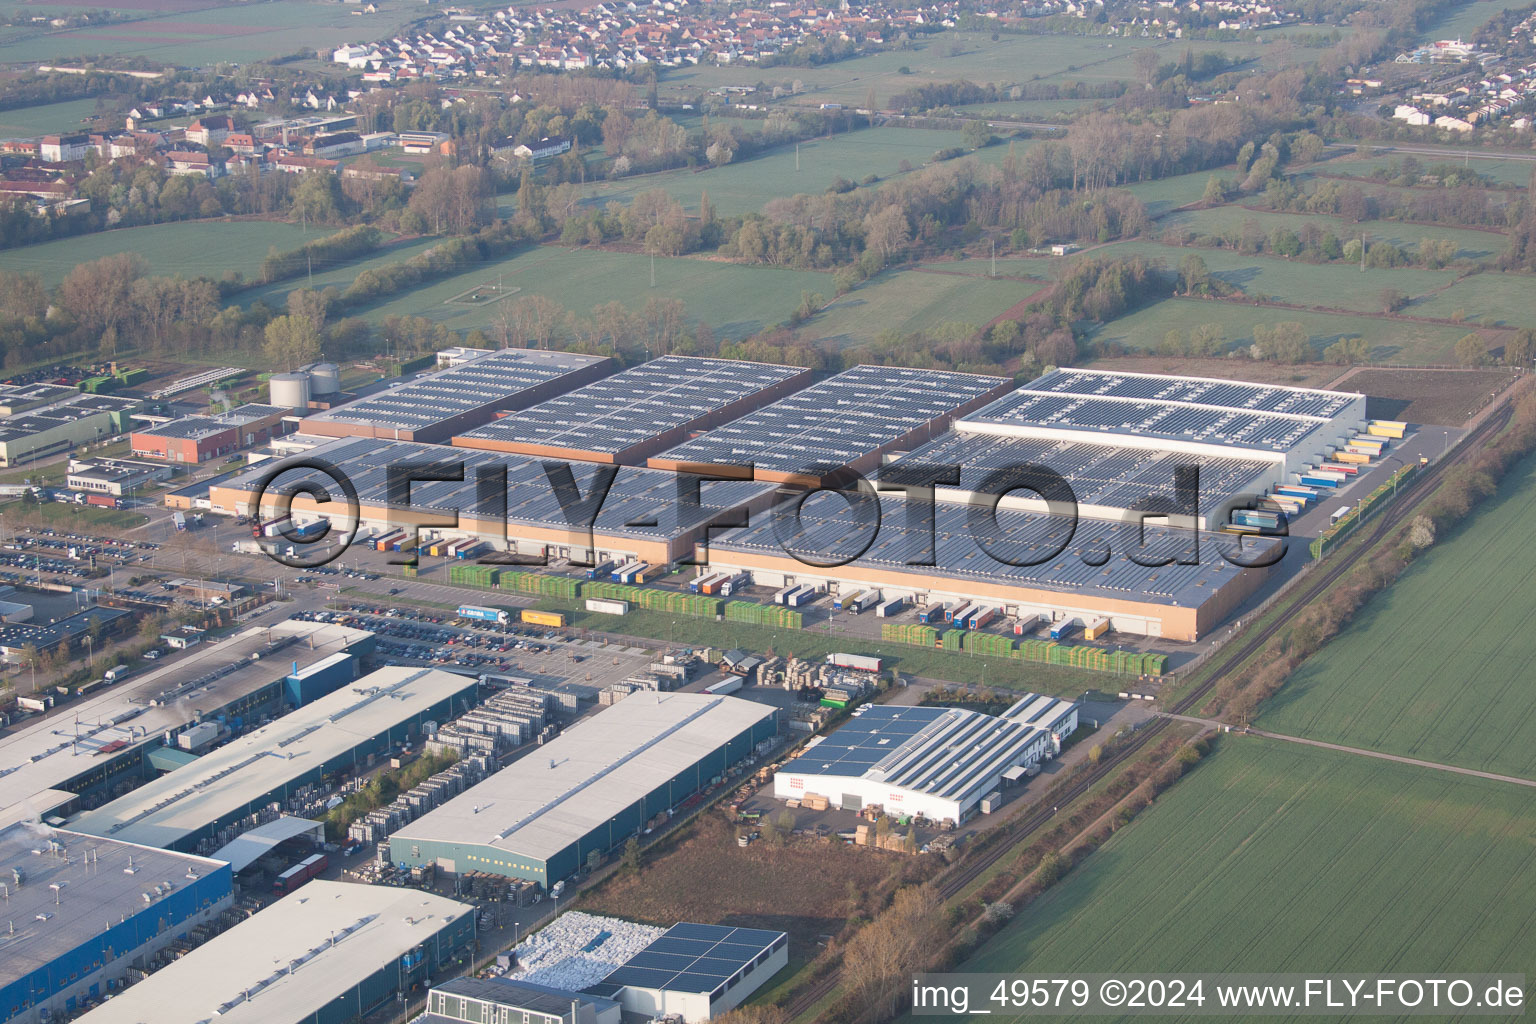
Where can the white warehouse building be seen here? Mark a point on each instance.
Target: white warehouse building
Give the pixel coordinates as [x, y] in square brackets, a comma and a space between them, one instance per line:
[934, 761]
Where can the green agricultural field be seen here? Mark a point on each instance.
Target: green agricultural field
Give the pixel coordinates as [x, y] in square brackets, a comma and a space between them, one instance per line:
[976, 58]
[734, 300]
[1163, 195]
[186, 36]
[1030, 268]
[1313, 284]
[1471, 244]
[1489, 298]
[1510, 170]
[745, 186]
[1395, 341]
[1276, 858]
[913, 300]
[1462, 19]
[1437, 667]
[46, 118]
[190, 249]
[338, 277]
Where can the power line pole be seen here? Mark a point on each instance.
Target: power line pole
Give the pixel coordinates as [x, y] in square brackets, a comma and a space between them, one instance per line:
[994, 257]
[797, 158]
[653, 270]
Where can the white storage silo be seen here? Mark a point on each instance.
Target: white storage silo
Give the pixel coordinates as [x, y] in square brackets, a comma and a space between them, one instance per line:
[324, 379]
[290, 390]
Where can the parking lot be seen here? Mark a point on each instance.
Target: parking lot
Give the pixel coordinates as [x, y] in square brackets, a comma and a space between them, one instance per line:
[411, 636]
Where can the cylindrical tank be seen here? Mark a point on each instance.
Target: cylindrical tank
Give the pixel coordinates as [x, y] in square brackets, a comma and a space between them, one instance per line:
[290, 390]
[324, 379]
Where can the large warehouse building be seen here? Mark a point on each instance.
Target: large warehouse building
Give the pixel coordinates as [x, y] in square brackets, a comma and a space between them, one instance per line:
[590, 789]
[1123, 553]
[435, 406]
[626, 417]
[845, 422]
[1155, 581]
[205, 803]
[60, 423]
[115, 739]
[81, 909]
[1117, 438]
[641, 516]
[934, 761]
[330, 953]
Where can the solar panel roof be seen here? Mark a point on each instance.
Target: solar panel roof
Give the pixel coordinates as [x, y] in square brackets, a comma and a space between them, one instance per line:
[944, 752]
[630, 408]
[1099, 557]
[1229, 394]
[472, 385]
[641, 502]
[699, 958]
[1098, 473]
[831, 424]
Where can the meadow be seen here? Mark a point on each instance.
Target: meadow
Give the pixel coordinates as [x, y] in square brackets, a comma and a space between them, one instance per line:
[1276, 858]
[203, 34]
[914, 300]
[187, 248]
[1396, 341]
[1471, 244]
[745, 186]
[1489, 298]
[735, 301]
[338, 277]
[1163, 195]
[30, 122]
[1509, 170]
[1315, 284]
[1462, 19]
[1438, 666]
[974, 56]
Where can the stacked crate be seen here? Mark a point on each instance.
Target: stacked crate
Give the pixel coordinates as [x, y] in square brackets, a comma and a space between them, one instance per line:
[989, 644]
[773, 615]
[914, 633]
[483, 576]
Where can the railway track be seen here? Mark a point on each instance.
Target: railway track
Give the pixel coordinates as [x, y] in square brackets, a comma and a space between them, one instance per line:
[969, 869]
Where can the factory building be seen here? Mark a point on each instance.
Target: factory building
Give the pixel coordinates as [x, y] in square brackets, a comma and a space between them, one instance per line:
[849, 421]
[116, 477]
[696, 971]
[933, 761]
[329, 953]
[62, 422]
[227, 790]
[193, 439]
[642, 516]
[435, 406]
[625, 418]
[478, 1000]
[83, 908]
[114, 738]
[590, 789]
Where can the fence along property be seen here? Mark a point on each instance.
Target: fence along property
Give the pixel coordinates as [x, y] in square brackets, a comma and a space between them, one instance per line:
[1345, 524]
